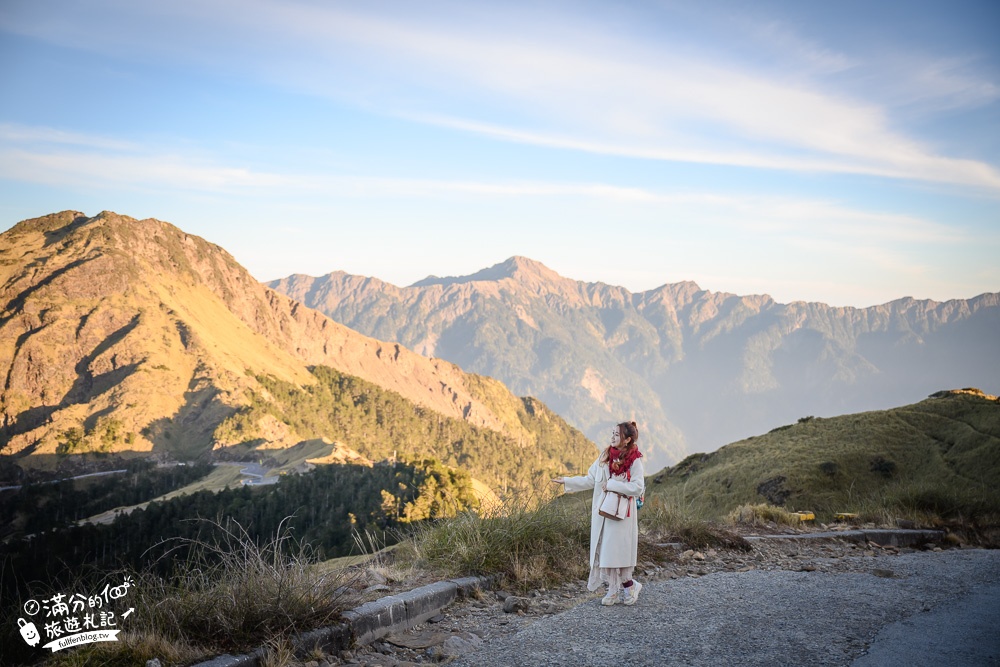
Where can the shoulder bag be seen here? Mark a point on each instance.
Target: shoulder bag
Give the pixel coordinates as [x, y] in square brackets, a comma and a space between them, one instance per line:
[614, 506]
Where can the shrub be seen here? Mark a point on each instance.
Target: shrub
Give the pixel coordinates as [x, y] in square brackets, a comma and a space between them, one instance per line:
[829, 468]
[883, 466]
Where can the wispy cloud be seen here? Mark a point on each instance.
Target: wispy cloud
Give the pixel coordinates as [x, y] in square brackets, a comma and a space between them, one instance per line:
[936, 84]
[11, 133]
[55, 157]
[782, 39]
[576, 87]
[646, 101]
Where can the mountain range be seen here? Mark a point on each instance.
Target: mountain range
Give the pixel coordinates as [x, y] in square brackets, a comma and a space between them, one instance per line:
[697, 369]
[131, 335]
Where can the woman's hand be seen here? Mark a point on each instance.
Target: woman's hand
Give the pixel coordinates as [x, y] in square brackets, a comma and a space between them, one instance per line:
[604, 485]
[558, 480]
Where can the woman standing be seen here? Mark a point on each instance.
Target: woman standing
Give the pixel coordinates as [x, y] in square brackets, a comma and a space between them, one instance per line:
[613, 544]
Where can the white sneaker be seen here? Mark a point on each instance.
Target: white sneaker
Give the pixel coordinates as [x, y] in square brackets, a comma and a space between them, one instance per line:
[611, 599]
[632, 593]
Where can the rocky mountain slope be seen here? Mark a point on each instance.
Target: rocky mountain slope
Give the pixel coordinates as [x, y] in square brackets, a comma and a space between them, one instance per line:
[122, 334]
[697, 368]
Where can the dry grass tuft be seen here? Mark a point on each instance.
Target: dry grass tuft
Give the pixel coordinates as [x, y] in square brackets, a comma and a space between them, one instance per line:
[668, 522]
[230, 594]
[132, 648]
[277, 652]
[760, 514]
[530, 545]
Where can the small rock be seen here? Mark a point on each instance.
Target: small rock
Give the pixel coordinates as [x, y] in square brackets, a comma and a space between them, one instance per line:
[377, 588]
[436, 619]
[460, 645]
[383, 648]
[346, 656]
[155, 662]
[312, 663]
[375, 577]
[711, 553]
[698, 555]
[514, 603]
[451, 649]
[885, 574]
[687, 554]
[502, 595]
[808, 567]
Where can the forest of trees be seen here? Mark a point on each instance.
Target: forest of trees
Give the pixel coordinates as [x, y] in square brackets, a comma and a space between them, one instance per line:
[327, 506]
[42, 506]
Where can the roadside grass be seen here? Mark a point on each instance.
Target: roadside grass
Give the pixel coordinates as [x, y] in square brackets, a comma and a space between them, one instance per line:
[663, 521]
[228, 594]
[529, 544]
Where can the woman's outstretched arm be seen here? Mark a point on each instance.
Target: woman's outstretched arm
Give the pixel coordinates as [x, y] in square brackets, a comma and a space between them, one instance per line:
[583, 482]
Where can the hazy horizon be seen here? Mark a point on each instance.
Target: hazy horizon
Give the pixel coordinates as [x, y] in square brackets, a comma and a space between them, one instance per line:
[845, 154]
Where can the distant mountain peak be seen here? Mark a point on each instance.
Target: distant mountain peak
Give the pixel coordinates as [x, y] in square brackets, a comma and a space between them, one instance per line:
[514, 268]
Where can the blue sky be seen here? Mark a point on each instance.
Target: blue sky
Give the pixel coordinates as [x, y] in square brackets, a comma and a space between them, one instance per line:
[840, 152]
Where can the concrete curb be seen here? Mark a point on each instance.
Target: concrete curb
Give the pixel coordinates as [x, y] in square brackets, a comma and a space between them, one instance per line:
[372, 620]
[897, 537]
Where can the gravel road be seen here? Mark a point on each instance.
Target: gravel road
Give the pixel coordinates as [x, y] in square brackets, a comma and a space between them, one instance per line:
[930, 608]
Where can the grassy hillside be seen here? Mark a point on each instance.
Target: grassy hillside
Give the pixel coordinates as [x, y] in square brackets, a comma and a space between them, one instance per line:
[936, 458]
[380, 424]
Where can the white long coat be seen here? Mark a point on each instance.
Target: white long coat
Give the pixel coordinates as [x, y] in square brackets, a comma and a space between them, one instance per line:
[621, 538]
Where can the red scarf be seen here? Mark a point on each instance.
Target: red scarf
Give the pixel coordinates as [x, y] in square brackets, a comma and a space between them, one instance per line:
[620, 461]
